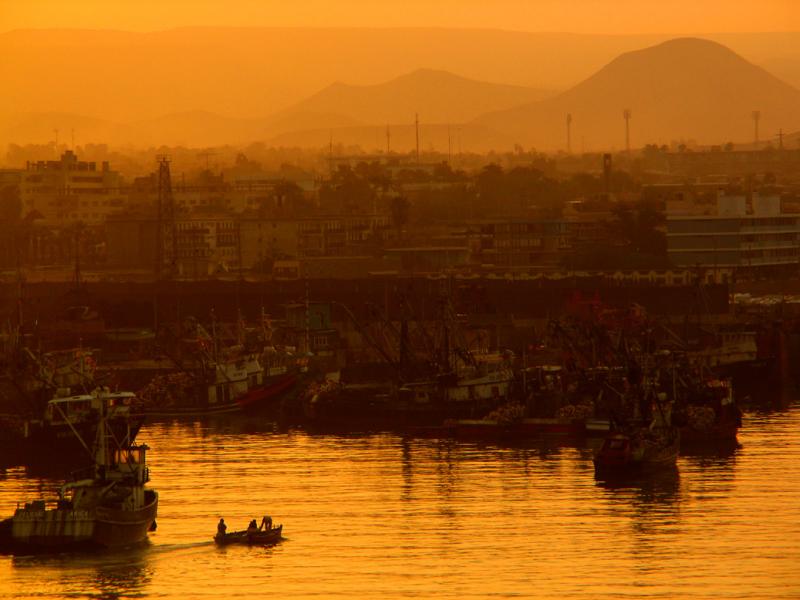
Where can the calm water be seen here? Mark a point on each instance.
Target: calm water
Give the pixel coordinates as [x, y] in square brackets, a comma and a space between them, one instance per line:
[389, 517]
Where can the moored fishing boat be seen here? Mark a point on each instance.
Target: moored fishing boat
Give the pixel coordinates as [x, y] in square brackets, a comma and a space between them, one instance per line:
[412, 403]
[710, 415]
[237, 384]
[637, 450]
[67, 421]
[108, 508]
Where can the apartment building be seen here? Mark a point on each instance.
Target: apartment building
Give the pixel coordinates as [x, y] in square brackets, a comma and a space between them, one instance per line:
[65, 191]
[738, 237]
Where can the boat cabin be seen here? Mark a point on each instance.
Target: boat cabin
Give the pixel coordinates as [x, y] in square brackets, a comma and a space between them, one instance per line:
[74, 409]
[234, 379]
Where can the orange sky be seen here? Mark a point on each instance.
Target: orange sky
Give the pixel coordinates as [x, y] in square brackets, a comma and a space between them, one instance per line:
[581, 16]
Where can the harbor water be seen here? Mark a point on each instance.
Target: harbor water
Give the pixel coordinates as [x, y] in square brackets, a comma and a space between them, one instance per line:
[388, 516]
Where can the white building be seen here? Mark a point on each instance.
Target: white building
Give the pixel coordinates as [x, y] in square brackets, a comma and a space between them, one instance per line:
[736, 237]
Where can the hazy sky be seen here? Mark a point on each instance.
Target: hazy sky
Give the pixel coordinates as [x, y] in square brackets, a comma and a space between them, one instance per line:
[582, 16]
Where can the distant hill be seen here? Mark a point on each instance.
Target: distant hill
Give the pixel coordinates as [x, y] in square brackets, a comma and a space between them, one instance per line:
[43, 127]
[684, 88]
[438, 96]
[208, 86]
[250, 72]
[357, 113]
[787, 69]
[433, 136]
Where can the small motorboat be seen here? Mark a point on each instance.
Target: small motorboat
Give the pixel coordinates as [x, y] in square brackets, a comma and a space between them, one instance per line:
[262, 537]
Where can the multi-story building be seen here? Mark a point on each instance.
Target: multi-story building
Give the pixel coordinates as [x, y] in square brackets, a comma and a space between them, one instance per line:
[737, 237]
[342, 235]
[734, 162]
[206, 243]
[516, 243]
[265, 238]
[65, 191]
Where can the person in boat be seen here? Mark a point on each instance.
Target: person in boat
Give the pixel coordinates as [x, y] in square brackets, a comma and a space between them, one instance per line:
[252, 527]
[221, 528]
[266, 523]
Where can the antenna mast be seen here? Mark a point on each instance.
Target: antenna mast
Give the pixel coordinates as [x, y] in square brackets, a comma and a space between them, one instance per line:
[626, 114]
[449, 146]
[416, 130]
[756, 119]
[569, 133]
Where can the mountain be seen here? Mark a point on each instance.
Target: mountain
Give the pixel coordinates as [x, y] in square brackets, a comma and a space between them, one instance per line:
[44, 127]
[438, 96]
[249, 72]
[358, 114]
[685, 88]
[787, 69]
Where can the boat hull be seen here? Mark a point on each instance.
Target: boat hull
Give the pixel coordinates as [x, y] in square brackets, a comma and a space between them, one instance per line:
[267, 395]
[485, 428]
[260, 538]
[617, 457]
[67, 530]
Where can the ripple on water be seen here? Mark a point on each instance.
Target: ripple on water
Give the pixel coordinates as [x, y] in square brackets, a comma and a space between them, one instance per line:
[385, 516]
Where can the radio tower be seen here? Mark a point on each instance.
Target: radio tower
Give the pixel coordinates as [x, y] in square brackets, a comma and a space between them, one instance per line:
[569, 133]
[626, 114]
[756, 119]
[167, 242]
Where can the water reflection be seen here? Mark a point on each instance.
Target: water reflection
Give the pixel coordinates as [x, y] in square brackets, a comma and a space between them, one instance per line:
[652, 502]
[391, 515]
[110, 576]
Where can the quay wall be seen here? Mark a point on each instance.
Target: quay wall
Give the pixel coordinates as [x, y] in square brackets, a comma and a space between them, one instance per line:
[132, 304]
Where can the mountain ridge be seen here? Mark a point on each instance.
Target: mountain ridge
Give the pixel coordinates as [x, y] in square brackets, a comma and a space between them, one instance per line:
[688, 88]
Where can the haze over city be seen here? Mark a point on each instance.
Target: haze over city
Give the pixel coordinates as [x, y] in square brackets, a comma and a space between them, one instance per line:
[295, 76]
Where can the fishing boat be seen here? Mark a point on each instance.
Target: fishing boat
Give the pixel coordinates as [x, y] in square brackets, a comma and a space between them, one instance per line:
[637, 451]
[69, 420]
[711, 415]
[250, 538]
[236, 384]
[105, 507]
[411, 403]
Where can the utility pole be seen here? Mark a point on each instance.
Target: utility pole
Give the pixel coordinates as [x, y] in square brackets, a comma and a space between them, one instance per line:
[208, 154]
[416, 129]
[388, 141]
[569, 133]
[449, 146]
[330, 156]
[756, 119]
[626, 114]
